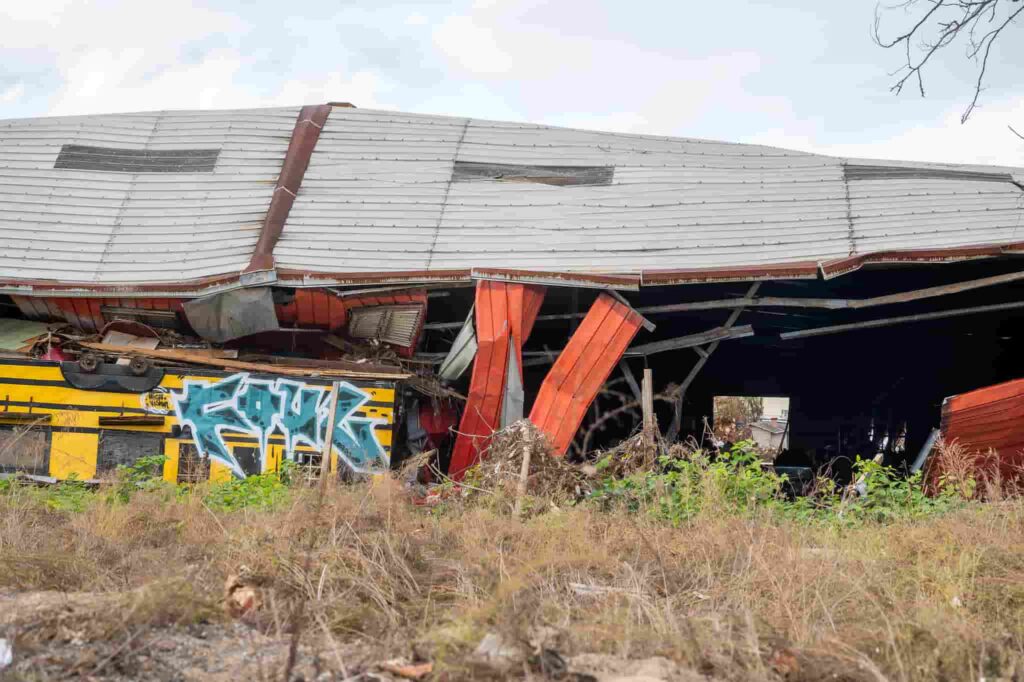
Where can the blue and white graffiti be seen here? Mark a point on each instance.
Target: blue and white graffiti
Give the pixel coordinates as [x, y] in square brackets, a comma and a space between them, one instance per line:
[296, 410]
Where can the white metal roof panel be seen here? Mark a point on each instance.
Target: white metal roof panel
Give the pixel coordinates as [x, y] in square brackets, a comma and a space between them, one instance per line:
[107, 227]
[379, 196]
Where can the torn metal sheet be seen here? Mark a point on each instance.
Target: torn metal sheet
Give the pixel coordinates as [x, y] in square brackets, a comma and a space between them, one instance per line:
[514, 400]
[232, 314]
[15, 334]
[462, 352]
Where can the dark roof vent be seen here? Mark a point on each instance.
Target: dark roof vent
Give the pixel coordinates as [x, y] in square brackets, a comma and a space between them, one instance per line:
[110, 159]
[559, 176]
[855, 172]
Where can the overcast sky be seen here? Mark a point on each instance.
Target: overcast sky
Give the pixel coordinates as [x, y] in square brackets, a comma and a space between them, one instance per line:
[803, 74]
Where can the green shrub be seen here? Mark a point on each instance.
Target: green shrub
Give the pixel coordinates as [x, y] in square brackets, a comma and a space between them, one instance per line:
[263, 491]
[735, 483]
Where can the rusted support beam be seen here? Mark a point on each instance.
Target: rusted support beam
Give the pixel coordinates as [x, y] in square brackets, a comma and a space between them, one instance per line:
[307, 129]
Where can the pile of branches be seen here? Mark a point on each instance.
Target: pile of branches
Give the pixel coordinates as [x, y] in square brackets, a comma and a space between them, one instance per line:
[549, 476]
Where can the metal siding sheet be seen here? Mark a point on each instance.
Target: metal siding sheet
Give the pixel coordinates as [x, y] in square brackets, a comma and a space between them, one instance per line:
[110, 227]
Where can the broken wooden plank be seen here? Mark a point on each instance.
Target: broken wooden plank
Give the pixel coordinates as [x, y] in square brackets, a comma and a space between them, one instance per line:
[677, 413]
[838, 303]
[647, 404]
[795, 302]
[222, 363]
[630, 379]
[709, 336]
[133, 420]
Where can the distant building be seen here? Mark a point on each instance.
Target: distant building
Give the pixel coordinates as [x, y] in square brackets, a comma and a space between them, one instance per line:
[770, 434]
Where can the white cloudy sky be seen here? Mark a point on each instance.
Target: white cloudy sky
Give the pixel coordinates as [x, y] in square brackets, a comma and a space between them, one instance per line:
[803, 74]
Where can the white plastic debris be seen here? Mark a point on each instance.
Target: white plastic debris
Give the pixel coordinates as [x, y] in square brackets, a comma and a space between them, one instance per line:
[6, 653]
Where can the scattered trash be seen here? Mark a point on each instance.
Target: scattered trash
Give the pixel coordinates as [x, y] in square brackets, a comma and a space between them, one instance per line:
[240, 596]
[408, 671]
[6, 653]
[498, 651]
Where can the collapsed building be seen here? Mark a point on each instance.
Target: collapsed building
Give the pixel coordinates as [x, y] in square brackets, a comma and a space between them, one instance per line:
[219, 286]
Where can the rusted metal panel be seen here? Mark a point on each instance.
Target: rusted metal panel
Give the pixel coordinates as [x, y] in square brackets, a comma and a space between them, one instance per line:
[582, 368]
[569, 279]
[310, 122]
[990, 418]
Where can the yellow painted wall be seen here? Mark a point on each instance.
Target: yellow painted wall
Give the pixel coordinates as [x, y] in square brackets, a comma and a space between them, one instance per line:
[75, 452]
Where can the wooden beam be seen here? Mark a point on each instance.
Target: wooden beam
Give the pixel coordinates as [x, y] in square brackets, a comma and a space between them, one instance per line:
[630, 379]
[325, 453]
[791, 302]
[691, 341]
[677, 417]
[223, 363]
[888, 321]
[647, 404]
[837, 303]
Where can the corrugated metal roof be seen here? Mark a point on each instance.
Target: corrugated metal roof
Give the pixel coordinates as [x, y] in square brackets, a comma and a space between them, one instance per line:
[110, 227]
[378, 197]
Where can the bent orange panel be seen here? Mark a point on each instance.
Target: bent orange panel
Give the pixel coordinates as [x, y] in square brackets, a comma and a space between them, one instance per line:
[582, 368]
[505, 313]
[989, 418]
[487, 384]
[524, 303]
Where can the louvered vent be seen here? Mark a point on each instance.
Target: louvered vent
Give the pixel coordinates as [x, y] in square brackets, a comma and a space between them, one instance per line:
[394, 324]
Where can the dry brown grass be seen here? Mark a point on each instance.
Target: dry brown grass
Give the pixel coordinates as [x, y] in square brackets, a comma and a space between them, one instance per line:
[735, 599]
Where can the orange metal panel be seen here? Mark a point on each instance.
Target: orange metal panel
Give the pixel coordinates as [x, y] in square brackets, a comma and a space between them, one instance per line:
[304, 308]
[505, 313]
[988, 418]
[582, 368]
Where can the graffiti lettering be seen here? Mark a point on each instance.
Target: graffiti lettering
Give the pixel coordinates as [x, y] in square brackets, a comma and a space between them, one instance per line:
[261, 407]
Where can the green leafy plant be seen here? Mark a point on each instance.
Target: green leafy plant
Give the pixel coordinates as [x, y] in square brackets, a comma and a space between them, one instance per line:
[736, 483]
[265, 490]
[146, 473]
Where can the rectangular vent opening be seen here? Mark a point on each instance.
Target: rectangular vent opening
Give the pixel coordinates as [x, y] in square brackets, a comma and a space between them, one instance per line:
[110, 159]
[855, 172]
[559, 176]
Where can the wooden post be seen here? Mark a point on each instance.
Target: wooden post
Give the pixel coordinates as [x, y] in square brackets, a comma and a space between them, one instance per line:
[648, 405]
[524, 476]
[325, 453]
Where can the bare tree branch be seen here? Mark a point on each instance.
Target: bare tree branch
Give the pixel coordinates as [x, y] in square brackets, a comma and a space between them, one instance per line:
[943, 22]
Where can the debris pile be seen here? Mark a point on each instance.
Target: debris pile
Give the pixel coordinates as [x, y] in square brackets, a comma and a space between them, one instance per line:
[548, 476]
